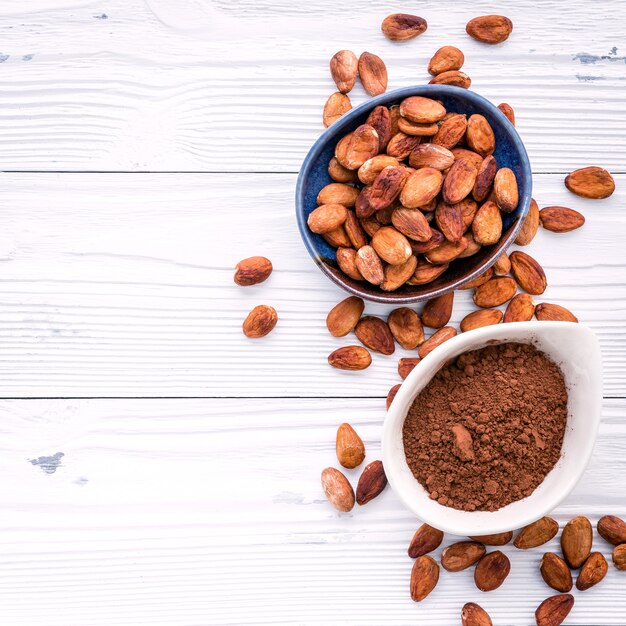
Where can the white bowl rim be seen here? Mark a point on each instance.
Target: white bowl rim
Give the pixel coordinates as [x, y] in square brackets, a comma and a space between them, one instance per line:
[452, 348]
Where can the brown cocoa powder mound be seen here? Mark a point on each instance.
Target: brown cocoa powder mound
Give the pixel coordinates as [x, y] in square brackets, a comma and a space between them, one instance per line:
[488, 427]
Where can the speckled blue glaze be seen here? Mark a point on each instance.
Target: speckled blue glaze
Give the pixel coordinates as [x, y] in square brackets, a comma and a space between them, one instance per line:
[510, 152]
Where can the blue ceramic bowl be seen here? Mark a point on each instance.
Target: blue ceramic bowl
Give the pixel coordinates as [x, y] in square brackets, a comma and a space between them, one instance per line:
[510, 152]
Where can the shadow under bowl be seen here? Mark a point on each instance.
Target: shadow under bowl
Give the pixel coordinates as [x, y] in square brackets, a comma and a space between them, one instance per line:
[510, 152]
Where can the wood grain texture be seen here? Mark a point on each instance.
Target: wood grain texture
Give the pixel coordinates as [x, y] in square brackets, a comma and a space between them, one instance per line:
[196, 512]
[121, 285]
[239, 86]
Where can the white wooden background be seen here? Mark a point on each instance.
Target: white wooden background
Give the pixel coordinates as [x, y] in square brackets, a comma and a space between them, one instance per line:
[157, 467]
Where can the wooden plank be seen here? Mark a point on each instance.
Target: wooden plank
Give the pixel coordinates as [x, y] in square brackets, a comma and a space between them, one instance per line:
[121, 285]
[224, 86]
[195, 512]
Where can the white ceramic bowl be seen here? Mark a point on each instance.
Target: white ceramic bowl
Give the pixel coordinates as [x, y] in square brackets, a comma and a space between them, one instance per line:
[575, 349]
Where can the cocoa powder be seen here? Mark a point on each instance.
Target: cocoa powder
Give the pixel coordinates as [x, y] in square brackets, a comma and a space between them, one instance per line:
[488, 427]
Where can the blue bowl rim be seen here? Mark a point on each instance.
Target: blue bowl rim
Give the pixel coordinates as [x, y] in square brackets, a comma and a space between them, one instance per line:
[347, 120]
